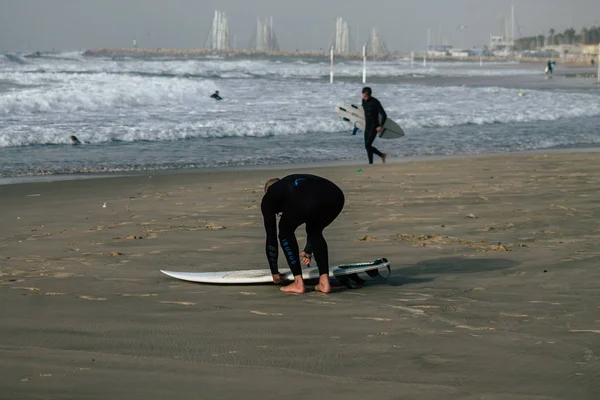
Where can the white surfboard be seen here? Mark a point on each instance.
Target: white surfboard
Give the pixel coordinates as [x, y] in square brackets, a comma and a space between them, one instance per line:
[264, 275]
[355, 115]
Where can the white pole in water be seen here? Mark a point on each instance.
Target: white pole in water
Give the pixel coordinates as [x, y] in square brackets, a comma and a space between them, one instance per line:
[599, 63]
[425, 60]
[512, 27]
[412, 59]
[364, 64]
[331, 72]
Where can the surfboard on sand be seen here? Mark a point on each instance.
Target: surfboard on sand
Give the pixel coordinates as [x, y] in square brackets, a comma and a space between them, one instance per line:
[355, 115]
[264, 275]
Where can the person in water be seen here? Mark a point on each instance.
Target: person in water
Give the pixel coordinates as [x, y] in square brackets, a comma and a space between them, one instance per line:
[549, 67]
[373, 109]
[300, 199]
[216, 96]
[74, 140]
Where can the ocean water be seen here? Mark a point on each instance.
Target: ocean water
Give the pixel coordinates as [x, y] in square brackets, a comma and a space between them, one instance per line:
[152, 114]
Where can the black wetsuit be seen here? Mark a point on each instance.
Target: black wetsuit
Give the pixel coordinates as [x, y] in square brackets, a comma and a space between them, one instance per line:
[300, 199]
[216, 96]
[373, 109]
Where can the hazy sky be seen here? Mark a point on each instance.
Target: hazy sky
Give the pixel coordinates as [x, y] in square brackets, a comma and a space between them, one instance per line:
[306, 24]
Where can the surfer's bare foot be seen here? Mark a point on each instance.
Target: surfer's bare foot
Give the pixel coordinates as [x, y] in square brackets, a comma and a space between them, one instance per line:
[383, 157]
[324, 286]
[296, 287]
[277, 279]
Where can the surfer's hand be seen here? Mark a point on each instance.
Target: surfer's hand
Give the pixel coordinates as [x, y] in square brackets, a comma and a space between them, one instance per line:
[277, 279]
[378, 129]
[306, 258]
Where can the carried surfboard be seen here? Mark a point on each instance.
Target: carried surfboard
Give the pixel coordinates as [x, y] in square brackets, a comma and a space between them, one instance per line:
[264, 275]
[355, 115]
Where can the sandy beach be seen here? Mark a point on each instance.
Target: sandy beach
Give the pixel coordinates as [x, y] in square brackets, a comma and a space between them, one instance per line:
[494, 292]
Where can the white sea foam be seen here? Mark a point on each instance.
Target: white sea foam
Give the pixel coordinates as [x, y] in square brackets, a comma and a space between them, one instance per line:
[158, 114]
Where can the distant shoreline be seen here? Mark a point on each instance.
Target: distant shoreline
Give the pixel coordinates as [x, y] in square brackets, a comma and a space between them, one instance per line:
[169, 52]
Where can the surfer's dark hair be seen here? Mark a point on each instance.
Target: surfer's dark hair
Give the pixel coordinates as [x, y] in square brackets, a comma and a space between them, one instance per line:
[367, 90]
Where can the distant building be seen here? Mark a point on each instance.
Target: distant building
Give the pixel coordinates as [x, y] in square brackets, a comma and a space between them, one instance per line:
[439, 50]
[376, 43]
[218, 37]
[500, 46]
[589, 50]
[540, 54]
[341, 36]
[459, 53]
[264, 38]
[565, 50]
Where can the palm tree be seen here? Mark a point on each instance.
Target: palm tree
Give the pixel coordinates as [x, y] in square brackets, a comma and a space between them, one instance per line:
[584, 36]
[552, 36]
[541, 41]
[569, 36]
[595, 35]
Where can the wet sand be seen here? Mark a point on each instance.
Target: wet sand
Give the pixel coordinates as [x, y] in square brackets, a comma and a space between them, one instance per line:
[494, 293]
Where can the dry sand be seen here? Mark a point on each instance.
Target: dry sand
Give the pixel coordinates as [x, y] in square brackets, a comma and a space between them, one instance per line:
[494, 293]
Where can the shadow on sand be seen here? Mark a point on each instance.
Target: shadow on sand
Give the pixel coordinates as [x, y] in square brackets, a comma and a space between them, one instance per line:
[426, 271]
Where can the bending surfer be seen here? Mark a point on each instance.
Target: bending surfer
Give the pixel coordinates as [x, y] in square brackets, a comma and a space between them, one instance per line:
[373, 126]
[300, 199]
[216, 96]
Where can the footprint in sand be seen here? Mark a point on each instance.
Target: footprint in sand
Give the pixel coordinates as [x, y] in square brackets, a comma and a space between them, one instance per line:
[248, 293]
[411, 300]
[91, 298]
[409, 309]
[319, 302]
[44, 294]
[138, 294]
[62, 275]
[472, 328]
[215, 227]
[266, 313]
[514, 315]
[33, 289]
[372, 319]
[11, 281]
[181, 303]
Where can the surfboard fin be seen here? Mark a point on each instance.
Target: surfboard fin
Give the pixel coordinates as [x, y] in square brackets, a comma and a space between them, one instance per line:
[350, 281]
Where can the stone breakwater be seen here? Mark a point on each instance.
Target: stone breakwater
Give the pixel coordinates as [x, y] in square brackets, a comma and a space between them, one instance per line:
[165, 52]
[192, 53]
